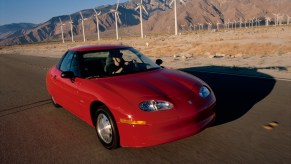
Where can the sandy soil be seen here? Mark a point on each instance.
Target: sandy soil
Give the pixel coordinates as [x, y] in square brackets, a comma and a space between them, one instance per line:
[265, 50]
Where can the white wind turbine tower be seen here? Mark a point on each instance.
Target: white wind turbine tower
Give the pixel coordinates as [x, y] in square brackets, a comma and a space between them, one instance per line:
[256, 22]
[199, 26]
[71, 22]
[209, 25]
[97, 22]
[194, 26]
[217, 25]
[83, 29]
[191, 26]
[225, 24]
[240, 22]
[259, 22]
[175, 9]
[141, 7]
[267, 21]
[288, 19]
[62, 29]
[246, 21]
[116, 17]
[281, 17]
[228, 22]
[235, 22]
[253, 22]
[276, 18]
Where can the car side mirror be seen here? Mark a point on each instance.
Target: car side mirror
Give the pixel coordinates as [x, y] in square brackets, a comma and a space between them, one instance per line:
[159, 62]
[68, 74]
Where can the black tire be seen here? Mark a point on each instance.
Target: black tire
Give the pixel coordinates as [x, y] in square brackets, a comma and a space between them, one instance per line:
[54, 102]
[108, 137]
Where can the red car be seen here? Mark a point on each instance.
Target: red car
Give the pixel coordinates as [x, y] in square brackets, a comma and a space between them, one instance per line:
[130, 100]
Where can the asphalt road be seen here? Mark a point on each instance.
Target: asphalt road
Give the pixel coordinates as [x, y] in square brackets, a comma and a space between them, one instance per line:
[33, 131]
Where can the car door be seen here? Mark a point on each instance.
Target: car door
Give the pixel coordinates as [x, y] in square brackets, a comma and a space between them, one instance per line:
[69, 87]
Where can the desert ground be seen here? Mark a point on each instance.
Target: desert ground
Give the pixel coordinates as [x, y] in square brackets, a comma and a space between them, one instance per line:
[266, 50]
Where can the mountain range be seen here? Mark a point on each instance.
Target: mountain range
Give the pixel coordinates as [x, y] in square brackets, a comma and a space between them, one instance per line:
[160, 19]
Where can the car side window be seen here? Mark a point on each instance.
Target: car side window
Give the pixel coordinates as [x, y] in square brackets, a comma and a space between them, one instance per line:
[75, 66]
[66, 63]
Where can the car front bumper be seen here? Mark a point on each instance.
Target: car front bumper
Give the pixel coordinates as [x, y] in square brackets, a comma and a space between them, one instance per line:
[165, 131]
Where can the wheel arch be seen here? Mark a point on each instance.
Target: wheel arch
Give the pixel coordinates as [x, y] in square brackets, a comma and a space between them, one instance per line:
[93, 108]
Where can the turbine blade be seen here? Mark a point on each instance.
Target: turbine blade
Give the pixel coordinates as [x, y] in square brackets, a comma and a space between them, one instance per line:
[145, 10]
[81, 15]
[118, 19]
[95, 11]
[182, 1]
[170, 4]
[117, 5]
[136, 8]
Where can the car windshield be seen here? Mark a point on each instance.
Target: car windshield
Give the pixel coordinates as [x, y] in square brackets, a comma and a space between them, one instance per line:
[114, 62]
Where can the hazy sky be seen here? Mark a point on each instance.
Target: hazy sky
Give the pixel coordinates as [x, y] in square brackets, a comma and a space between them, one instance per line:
[39, 11]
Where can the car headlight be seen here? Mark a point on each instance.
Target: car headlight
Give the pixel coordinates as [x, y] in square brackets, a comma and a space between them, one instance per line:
[155, 105]
[204, 92]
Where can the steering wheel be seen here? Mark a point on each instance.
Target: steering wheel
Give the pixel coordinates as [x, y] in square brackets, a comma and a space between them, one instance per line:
[132, 66]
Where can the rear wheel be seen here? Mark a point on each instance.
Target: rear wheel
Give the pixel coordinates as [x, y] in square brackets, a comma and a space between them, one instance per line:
[106, 128]
[54, 102]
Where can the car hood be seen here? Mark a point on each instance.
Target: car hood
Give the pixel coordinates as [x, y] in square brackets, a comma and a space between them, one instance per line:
[155, 83]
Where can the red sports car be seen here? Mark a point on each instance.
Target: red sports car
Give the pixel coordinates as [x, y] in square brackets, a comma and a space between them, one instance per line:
[130, 100]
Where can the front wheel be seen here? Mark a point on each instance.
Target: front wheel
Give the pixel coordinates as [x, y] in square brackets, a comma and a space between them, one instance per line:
[106, 128]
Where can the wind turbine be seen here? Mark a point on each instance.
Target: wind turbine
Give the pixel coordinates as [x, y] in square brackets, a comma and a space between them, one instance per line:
[276, 18]
[175, 9]
[288, 19]
[194, 26]
[228, 22]
[97, 22]
[191, 26]
[209, 25]
[116, 17]
[240, 22]
[281, 17]
[259, 22]
[267, 21]
[246, 21]
[71, 22]
[253, 22]
[199, 25]
[82, 19]
[62, 29]
[235, 22]
[217, 25]
[141, 7]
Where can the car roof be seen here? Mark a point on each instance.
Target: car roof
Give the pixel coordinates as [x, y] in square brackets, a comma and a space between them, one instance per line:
[96, 48]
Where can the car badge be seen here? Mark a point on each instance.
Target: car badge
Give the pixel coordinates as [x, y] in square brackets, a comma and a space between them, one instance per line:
[189, 102]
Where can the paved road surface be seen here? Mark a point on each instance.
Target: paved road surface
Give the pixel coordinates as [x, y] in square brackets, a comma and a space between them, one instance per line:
[33, 131]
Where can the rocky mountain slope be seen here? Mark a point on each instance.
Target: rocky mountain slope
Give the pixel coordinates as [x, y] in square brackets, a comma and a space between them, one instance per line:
[159, 20]
[10, 29]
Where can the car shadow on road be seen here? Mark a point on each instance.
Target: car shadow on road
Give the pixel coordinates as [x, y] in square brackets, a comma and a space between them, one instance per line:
[237, 89]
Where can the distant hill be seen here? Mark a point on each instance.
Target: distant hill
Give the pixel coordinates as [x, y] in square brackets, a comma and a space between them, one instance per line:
[9, 29]
[159, 20]
[15, 27]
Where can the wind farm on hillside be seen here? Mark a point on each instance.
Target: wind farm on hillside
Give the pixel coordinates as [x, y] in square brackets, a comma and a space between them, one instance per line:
[185, 43]
[153, 17]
